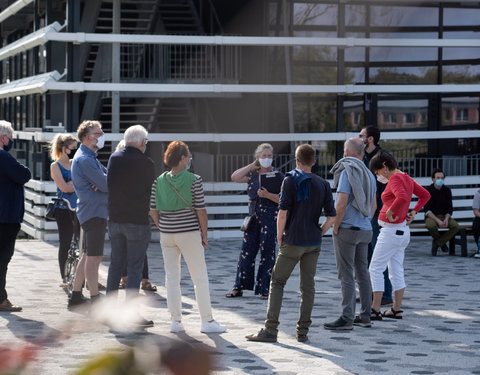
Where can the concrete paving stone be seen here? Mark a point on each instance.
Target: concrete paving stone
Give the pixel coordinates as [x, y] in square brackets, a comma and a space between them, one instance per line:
[438, 335]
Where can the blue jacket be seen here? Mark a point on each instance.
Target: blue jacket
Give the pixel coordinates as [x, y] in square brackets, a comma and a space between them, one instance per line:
[89, 178]
[13, 176]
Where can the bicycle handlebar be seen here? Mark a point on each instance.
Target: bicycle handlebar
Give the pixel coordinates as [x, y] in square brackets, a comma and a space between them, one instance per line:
[64, 202]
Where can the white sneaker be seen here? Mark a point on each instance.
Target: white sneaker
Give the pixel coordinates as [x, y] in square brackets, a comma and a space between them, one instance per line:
[176, 327]
[212, 327]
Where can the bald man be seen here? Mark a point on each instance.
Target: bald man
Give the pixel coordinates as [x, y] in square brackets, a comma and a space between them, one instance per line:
[352, 232]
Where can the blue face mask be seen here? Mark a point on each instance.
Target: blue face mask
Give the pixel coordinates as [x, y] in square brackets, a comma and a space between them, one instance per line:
[440, 183]
[189, 164]
[9, 146]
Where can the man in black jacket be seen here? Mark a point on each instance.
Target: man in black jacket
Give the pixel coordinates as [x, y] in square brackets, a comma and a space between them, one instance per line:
[13, 176]
[438, 212]
[129, 178]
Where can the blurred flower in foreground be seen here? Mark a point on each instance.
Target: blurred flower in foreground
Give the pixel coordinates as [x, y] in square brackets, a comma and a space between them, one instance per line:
[13, 360]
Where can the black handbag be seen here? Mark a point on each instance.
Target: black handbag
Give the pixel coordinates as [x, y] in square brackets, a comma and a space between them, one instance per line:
[50, 211]
[247, 223]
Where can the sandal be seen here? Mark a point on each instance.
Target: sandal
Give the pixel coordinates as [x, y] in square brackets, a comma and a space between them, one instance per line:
[234, 293]
[147, 285]
[393, 315]
[375, 315]
[122, 284]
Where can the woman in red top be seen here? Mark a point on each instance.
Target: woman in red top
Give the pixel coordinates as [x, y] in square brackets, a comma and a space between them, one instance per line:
[394, 233]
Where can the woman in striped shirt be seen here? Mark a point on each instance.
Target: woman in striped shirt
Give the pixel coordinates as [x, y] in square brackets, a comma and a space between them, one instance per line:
[178, 210]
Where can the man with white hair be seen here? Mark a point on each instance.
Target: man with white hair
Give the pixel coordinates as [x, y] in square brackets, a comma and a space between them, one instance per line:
[129, 178]
[13, 176]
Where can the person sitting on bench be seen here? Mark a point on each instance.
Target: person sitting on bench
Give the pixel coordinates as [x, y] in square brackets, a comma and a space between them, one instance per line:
[438, 212]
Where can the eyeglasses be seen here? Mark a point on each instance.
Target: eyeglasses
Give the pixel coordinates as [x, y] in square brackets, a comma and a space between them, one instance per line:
[145, 140]
[100, 133]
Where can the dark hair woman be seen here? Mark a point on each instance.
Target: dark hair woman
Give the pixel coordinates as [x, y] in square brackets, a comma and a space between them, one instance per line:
[178, 210]
[394, 234]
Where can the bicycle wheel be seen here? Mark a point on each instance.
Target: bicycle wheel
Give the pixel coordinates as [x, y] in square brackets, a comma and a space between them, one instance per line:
[70, 269]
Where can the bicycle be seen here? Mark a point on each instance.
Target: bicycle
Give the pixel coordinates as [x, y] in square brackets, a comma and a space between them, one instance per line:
[75, 249]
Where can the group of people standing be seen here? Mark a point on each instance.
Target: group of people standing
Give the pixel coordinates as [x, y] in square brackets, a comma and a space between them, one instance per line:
[369, 218]
[121, 197]
[304, 197]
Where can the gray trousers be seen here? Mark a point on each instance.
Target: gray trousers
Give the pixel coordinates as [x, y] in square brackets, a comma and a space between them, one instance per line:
[288, 257]
[351, 247]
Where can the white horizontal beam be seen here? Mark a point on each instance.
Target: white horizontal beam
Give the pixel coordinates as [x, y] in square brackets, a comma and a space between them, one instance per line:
[258, 40]
[263, 89]
[266, 137]
[34, 39]
[14, 8]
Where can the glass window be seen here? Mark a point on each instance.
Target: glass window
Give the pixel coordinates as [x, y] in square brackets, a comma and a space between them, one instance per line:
[404, 75]
[403, 54]
[314, 65]
[354, 75]
[353, 115]
[314, 14]
[314, 113]
[460, 110]
[355, 15]
[461, 17]
[402, 114]
[461, 74]
[384, 15]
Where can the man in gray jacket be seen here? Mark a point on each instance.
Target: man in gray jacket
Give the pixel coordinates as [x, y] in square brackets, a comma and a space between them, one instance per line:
[352, 232]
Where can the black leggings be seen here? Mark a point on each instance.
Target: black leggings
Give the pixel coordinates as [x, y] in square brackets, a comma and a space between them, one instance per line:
[67, 223]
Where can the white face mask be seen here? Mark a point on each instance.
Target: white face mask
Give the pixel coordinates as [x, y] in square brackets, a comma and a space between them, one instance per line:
[266, 162]
[101, 142]
[382, 179]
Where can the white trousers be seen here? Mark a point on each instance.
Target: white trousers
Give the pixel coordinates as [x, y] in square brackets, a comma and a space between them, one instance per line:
[188, 244]
[389, 251]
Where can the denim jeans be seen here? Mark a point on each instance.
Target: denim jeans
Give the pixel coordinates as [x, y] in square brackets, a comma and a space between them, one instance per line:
[129, 246]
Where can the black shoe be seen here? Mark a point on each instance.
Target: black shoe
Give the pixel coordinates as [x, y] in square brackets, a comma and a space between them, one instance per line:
[434, 248]
[262, 336]
[141, 322]
[361, 323]
[444, 248]
[339, 324]
[76, 299]
[96, 299]
[302, 337]
[386, 302]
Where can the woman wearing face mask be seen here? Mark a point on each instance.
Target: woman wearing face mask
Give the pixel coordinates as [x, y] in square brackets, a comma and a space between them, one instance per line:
[262, 233]
[62, 149]
[394, 233]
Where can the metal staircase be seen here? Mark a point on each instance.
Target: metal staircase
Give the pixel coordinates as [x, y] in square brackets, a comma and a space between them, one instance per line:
[140, 63]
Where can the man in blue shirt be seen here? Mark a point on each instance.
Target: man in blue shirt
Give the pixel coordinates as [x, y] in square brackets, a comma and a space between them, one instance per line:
[89, 178]
[302, 199]
[13, 176]
[352, 232]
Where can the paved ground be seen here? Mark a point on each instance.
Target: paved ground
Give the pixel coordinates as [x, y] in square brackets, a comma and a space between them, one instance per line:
[440, 332]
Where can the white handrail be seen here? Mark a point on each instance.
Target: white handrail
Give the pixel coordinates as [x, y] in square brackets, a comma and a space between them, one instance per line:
[14, 8]
[258, 40]
[39, 136]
